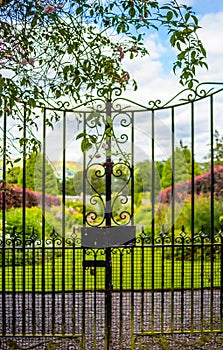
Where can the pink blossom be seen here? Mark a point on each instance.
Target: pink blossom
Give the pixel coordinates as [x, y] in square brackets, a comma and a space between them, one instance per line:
[24, 61]
[31, 61]
[126, 76]
[134, 48]
[105, 146]
[121, 55]
[50, 8]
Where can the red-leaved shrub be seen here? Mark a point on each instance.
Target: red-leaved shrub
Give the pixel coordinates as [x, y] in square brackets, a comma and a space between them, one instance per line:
[14, 197]
[202, 184]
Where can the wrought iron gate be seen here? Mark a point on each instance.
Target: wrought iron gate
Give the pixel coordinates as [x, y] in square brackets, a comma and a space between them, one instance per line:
[114, 280]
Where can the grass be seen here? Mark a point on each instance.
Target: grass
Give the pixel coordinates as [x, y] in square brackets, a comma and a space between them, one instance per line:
[149, 268]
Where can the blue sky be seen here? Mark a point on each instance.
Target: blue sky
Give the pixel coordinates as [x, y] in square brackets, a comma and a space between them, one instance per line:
[203, 7]
[154, 73]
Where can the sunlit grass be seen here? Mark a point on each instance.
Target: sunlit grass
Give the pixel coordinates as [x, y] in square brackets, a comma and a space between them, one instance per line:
[146, 268]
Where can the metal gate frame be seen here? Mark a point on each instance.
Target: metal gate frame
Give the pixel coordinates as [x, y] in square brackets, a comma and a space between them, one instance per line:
[93, 283]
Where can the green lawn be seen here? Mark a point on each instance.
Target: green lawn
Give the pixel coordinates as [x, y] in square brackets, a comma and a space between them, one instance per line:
[65, 272]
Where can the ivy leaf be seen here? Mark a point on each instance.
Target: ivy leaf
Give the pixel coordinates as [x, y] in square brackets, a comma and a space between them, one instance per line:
[79, 136]
[85, 145]
[169, 16]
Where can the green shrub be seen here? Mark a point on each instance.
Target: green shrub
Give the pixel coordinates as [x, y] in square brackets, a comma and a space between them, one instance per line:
[202, 215]
[34, 221]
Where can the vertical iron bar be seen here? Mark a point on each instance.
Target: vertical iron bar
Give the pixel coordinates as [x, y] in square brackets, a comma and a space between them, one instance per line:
[95, 302]
[53, 283]
[202, 282]
[132, 222]
[153, 224]
[108, 217]
[162, 283]
[221, 291]
[108, 170]
[24, 226]
[33, 286]
[14, 281]
[192, 215]
[83, 299]
[212, 209]
[172, 215]
[63, 223]
[182, 287]
[84, 174]
[142, 280]
[83, 250]
[132, 168]
[4, 220]
[133, 251]
[121, 300]
[74, 273]
[43, 222]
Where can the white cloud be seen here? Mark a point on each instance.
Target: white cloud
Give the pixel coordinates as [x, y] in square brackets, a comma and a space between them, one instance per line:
[154, 82]
[149, 73]
[211, 35]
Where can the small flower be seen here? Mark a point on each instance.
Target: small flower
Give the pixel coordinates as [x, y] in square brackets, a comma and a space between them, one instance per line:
[24, 61]
[126, 76]
[134, 48]
[50, 8]
[31, 61]
[97, 155]
[105, 146]
[121, 55]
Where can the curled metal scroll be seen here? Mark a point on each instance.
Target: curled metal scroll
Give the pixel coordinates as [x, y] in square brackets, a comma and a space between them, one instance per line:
[183, 238]
[119, 170]
[163, 237]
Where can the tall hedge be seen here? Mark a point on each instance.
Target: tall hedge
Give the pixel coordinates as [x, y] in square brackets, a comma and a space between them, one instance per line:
[14, 197]
[202, 184]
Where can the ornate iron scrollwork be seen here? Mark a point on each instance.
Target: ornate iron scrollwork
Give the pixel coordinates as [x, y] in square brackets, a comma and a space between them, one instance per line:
[108, 187]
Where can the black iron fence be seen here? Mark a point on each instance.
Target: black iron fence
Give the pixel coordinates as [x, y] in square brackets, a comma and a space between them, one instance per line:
[120, 264]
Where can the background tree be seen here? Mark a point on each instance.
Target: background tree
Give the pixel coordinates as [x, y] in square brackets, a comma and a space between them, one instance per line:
[34, 175]
[217, 150]
[143, 176]
[69, 186]
[13, 175]
[70, 49]
[182, 161]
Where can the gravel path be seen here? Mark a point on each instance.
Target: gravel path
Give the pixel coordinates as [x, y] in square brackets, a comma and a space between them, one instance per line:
[178, 311]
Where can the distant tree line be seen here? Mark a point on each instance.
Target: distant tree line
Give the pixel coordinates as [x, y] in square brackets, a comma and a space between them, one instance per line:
[162, 173]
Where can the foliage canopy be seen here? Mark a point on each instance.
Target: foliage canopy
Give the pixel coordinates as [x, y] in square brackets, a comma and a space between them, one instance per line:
[60, 50]
[71, 48]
